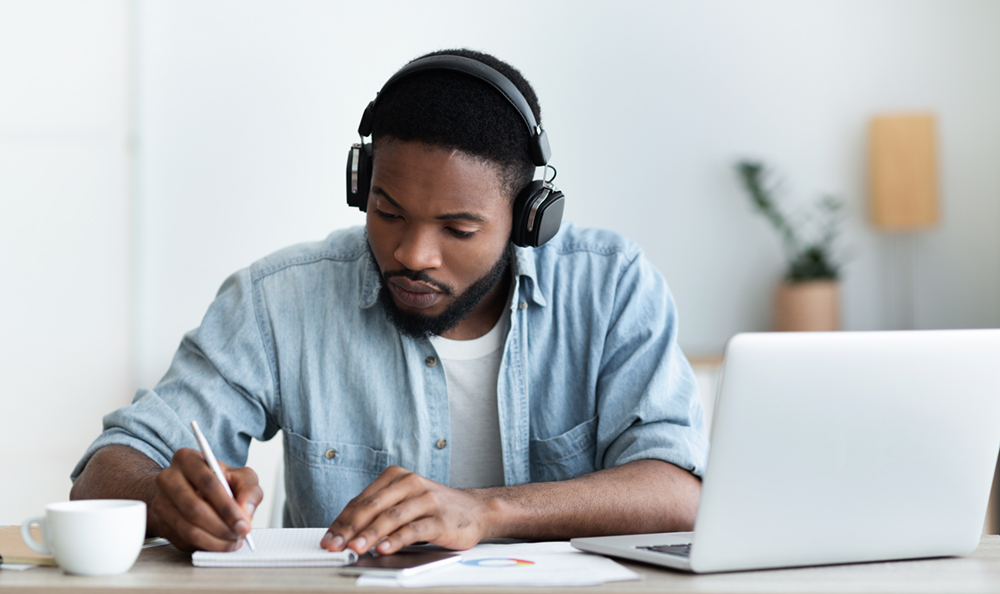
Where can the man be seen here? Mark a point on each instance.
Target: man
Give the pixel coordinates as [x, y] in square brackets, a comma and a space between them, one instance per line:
[433, 381]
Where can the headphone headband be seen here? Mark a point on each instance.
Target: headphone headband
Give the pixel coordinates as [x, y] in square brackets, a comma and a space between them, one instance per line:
[540, 151]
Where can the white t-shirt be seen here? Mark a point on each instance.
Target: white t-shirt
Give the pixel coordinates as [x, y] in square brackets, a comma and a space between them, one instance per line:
[471, 369]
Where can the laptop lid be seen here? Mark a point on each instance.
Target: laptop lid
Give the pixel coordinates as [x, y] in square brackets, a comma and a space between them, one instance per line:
[849, 446]
[842, 447]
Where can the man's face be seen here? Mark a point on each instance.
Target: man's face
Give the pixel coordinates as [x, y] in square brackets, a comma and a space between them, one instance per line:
[439, 229]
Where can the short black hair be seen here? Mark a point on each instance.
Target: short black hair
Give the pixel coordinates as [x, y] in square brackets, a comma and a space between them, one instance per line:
[454, 110]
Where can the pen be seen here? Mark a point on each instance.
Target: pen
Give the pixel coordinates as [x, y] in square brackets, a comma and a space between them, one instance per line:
[206, 450]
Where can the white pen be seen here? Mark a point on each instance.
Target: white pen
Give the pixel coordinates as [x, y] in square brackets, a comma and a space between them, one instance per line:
[206, 450]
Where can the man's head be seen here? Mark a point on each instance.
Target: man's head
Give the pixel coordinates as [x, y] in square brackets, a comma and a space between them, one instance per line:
[450, 155]
[455, 110]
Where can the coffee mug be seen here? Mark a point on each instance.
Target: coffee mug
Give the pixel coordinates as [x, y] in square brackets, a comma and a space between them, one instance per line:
[90, 536]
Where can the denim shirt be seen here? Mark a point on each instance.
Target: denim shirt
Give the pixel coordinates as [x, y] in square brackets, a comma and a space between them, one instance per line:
[592, 376]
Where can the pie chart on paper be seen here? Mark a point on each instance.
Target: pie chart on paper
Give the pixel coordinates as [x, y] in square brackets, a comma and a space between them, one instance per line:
[496, 562]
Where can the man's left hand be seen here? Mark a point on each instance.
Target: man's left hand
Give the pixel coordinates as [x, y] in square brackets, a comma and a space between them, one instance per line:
[401, 508]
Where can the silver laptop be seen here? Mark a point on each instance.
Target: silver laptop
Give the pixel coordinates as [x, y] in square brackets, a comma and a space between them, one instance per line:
[841, 447]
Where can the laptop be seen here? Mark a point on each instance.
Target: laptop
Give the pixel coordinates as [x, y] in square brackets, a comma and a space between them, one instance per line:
[840, 447]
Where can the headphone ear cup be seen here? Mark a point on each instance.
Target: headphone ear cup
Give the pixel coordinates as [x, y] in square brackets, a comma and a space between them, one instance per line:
[538, 211]
[359, 175]
[517, 232]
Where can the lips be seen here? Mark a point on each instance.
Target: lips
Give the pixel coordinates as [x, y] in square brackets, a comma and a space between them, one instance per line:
[414, 294]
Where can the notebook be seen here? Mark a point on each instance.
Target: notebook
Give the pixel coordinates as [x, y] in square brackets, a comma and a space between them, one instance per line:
[840, 448]
[14, 554]
[278, 547]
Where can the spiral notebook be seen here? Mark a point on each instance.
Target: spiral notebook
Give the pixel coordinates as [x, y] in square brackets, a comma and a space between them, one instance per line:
[278, 547]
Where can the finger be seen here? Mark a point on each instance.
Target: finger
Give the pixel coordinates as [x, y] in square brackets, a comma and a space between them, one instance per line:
[392, 519]
[210, 488]
[246, 488]
[174, 487]
[347, 524]
[422, 530]
[357, 531]
[383, 480]
[405, 499]
[188, 536]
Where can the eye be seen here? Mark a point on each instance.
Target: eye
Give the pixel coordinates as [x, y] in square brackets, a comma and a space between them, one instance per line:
[385, 215]
[460, 234]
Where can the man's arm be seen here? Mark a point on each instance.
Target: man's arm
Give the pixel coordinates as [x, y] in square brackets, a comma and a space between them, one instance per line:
[185, 502]
[119, 472]
[403, 507]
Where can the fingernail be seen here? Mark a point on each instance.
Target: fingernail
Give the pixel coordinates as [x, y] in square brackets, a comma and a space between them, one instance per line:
[358, 544]
[242, 527]
[384, 546]
[249, 509]
[338, 543]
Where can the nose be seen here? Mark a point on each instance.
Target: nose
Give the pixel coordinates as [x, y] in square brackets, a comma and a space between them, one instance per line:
[418, 250]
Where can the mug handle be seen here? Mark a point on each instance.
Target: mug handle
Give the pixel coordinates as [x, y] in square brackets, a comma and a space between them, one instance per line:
[34, 545]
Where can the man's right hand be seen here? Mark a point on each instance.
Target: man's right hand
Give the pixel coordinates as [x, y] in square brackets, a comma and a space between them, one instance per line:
[192, 510]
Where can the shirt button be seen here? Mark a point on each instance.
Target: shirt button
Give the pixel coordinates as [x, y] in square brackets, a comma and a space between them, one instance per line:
[441, 443]
[522, 305]
[431, 361]
[330, 454]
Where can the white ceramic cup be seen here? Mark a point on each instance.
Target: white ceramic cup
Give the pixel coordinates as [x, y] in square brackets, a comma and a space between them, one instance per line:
[90, 536]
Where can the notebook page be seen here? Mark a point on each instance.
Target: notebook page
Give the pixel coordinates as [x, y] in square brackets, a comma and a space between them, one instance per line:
[278, 547]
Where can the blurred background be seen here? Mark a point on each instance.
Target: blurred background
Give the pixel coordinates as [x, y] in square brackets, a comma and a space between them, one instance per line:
[150, 149]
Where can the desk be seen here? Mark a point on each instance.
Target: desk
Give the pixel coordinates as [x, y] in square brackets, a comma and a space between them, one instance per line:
[165, 569]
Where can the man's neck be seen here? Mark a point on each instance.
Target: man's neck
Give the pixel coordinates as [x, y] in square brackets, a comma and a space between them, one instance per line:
[484, 316]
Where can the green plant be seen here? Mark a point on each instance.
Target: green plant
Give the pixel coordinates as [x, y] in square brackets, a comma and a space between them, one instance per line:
[807, 236]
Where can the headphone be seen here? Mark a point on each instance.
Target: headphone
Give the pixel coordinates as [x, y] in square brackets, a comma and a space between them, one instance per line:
[538, 207]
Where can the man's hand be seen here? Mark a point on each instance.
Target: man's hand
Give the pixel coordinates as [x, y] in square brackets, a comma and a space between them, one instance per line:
[192, 510]
[402, 508]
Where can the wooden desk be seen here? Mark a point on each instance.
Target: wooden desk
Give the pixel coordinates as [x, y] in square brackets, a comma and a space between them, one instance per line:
[165, 569]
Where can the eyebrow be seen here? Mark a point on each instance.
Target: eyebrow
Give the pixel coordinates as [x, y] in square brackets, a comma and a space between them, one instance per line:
[454, 216]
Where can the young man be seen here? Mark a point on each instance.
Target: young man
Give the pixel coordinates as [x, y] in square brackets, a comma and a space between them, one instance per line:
[433, 381]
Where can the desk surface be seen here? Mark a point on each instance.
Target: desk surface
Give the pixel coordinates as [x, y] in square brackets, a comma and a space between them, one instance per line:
[165, 569]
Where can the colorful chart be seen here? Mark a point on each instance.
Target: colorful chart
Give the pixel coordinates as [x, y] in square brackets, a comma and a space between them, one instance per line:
[496, 562]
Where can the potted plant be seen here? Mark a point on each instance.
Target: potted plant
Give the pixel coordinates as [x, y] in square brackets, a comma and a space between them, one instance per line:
[808, 296]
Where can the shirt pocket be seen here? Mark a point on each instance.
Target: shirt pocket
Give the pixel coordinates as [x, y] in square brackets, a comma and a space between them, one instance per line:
[564, 456]
[321, 477]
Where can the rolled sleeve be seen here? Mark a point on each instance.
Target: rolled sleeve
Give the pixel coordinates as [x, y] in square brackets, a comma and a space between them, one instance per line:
[648, 401]
[221, 376]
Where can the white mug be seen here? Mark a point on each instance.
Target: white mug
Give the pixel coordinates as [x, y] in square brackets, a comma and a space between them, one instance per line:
[90, 536]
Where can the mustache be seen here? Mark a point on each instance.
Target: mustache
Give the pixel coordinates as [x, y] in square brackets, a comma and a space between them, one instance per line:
[419, 276]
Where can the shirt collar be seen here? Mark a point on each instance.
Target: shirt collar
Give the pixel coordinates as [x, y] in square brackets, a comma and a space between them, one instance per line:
[524, 261]
[370, 283]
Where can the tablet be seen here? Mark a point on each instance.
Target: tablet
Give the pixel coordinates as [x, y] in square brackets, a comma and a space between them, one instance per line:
[399, 564]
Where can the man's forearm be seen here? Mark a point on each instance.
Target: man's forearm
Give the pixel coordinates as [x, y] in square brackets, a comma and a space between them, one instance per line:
[119, 472]
[641, 496]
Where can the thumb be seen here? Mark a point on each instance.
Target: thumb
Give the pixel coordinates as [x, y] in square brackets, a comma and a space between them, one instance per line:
[247, 490]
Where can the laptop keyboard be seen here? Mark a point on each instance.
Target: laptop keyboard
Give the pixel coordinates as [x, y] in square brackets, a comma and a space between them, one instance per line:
[682, 550]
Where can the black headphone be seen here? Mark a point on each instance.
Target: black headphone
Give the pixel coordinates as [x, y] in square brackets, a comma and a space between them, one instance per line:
[538, 207]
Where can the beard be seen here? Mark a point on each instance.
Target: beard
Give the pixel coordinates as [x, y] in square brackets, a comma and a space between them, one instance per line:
[419, 325]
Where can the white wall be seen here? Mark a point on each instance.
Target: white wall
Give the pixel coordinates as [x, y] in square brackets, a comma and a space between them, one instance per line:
[244, 111]
[64, 240]
[247, 109]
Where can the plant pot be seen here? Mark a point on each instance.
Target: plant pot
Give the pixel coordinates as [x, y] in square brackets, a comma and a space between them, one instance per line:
[809, 306]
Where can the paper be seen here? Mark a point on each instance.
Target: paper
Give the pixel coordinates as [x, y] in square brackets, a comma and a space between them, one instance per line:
[156, 541]
[278, 547]
[530, 564]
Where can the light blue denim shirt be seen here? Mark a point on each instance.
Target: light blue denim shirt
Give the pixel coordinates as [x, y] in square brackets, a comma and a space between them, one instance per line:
[592, 376]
